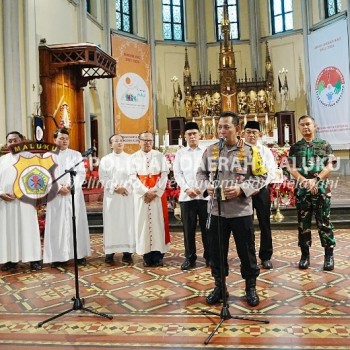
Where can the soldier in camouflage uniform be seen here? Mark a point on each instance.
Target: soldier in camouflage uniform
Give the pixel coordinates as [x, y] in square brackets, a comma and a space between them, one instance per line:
[311, 161]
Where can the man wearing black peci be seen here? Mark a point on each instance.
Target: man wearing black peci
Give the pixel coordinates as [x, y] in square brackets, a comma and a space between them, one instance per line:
[233, 167]
[193, 204]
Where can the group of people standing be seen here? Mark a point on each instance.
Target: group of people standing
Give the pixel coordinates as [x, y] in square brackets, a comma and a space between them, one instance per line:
[234, 174]
[20, 236]
[135, 212]
[220, 186]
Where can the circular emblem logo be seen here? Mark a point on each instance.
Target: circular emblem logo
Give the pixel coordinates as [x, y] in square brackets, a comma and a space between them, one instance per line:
[329, 86]
[132, 95]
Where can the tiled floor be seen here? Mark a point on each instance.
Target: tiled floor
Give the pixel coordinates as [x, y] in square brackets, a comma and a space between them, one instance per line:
[161, 308]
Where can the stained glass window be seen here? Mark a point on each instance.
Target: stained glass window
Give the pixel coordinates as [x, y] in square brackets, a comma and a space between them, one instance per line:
[173, 26]
[232, 7]
[332, 7]
[282, 15]
[123, 15]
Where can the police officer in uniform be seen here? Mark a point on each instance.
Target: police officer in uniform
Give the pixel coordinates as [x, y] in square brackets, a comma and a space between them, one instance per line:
[231, 167]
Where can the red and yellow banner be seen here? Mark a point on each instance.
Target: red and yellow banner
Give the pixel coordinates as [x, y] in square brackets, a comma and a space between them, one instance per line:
[132, 89]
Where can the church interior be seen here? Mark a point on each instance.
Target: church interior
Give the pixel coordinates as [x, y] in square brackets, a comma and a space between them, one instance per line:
[62, 64]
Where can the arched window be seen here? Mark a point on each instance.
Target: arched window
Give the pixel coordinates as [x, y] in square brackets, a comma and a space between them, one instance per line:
[173, 20]
[123, 15]
[332, 7]
[281, 15]
[232, 7]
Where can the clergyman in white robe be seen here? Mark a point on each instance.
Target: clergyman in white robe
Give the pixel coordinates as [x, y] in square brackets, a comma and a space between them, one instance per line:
[58, 241]
[149, 172]
[118, 208]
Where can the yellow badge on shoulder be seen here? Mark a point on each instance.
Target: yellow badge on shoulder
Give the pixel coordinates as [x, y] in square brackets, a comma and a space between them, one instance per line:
[258, 167]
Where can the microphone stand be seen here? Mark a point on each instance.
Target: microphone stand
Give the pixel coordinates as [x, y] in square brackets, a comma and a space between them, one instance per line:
[78, 303]
[224, 313]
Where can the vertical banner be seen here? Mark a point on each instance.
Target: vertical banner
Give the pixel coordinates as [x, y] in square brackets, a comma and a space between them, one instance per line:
[132, 89]
[329, 80]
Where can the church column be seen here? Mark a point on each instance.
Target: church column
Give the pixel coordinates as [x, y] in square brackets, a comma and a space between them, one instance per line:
[13, 106]
[151, 40]
[254, 30]
[32, 86]
[201, 47]
[306, 28]
[108, 86]
[82, 35]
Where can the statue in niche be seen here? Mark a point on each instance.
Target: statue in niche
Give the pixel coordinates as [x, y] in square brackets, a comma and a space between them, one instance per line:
[262, 105]
[242, 105]
[205, 104]
[196, 105]
[177, 96]
[188, 106]
[227, 100]
[270, 101]
[251, 101]
[284, 98]
[216, 103]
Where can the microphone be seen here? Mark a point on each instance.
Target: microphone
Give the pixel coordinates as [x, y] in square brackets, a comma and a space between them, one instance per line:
[221, 143]
[89, 152]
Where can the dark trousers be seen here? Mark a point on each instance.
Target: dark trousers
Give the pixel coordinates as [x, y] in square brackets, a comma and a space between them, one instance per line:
[243, 234]
[190, 211]
[262, 206]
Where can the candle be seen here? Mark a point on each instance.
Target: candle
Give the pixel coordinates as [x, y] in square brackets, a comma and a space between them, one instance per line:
[266, 119]
[275, 134]
[166, 139]
[256, 118]
[203, 122]
[245, 119]
[286, 133]
[180, 141]
[156, 139]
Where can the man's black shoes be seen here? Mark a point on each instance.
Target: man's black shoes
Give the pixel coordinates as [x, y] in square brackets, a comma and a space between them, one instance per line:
[35, 266]
[215, 296]
[127, 258]
[304, 262]
[109, 258]
[187, 265]
[266, 264]
[251, 296]
[9, 266]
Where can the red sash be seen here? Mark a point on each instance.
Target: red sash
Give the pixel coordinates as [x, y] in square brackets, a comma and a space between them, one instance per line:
[150, 181]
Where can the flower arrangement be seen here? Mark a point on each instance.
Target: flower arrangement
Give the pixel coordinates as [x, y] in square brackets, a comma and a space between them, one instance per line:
[172, 189]
[282, 192]
[41, 212]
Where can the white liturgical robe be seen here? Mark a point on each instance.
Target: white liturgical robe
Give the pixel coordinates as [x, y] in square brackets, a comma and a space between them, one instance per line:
[58, 242]
[19, 228]
[118, 210]
[151, 233]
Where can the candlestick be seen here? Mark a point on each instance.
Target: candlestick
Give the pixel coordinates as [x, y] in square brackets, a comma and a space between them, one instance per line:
[179, 141]
[286, 133]
[166, 139]
[275, 134]
[156, 140]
